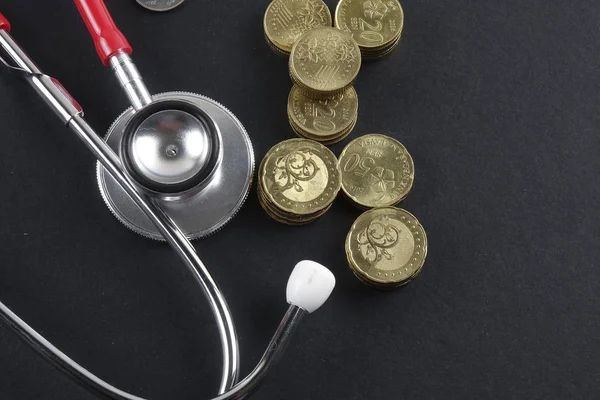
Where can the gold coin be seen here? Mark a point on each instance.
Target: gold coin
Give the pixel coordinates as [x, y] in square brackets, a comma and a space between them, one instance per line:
[284, 217]
[276, 49]
[324, 62]
[340, 138]
[322, 119]
[373, 24]
[375, 55]
[377, 171]
[300, 176]
[385, 286]
[286, 20]
[325, 141]
[386, 246]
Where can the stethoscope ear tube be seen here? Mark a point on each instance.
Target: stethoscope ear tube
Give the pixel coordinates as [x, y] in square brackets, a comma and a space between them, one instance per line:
[108, 39]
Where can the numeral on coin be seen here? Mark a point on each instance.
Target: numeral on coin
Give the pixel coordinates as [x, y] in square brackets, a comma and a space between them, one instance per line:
[361, 167]
[324, 114]
[372, 33]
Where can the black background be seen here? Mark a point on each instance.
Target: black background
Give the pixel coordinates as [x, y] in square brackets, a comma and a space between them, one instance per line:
[496, 100]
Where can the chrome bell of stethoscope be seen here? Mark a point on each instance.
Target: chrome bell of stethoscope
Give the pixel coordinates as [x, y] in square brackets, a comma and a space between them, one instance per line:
[173, 167]
[186, 151]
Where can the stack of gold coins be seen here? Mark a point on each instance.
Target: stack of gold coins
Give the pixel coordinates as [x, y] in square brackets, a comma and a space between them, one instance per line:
[377, 171]
[324, 62]
[286, 20]
[326, 121]
[386, 247]
[376, 25]
[298, 179]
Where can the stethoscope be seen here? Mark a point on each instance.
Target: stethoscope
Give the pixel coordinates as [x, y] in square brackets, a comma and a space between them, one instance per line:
[174, 166]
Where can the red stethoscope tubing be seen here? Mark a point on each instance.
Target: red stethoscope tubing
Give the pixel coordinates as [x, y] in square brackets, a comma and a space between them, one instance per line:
[4, 24]
[108, 39]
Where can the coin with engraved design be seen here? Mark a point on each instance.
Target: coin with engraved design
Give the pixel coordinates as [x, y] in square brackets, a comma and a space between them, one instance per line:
[375, 25]
[160, 5]
[377, 171]
[286, 20]
[386, 247]
[325, 121]
[298, 181]
[324, 62]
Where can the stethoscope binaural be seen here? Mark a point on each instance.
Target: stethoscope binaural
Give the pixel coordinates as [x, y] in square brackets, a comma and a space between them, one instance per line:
[175, 166]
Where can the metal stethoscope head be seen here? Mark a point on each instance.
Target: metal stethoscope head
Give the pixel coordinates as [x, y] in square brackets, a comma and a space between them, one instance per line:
[176, 147]
[174, 166]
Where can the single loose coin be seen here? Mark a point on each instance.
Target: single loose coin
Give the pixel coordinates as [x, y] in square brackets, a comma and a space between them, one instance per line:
[324, 62]
[160, 5]
[286, 20]
[373, 24]
[377, 171]
[322, 119]
[386, 246]
[300, 176]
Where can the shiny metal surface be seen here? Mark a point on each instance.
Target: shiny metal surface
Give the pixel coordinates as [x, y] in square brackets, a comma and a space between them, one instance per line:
[163, 223]
[102, 389]
[59, 100]
[170, 147]
[178, 241]
[197, 215]
[270, 358]
[130, 79]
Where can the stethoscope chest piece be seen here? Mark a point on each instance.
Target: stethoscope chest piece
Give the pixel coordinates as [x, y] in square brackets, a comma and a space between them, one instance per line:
[190, 154]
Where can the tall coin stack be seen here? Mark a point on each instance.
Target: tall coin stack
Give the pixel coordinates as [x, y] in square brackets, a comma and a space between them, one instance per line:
[298, 180]
[323, 63]
[375, 25]
[323, 105]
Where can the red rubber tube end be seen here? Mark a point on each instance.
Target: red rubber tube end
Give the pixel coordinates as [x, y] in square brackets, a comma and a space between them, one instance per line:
[107, 37]
[4, 24]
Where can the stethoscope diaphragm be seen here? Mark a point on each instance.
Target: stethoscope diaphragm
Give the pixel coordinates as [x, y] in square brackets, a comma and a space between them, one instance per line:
[199, 210]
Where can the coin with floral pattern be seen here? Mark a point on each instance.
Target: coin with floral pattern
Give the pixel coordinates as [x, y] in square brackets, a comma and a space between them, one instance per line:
[286, 20]
[300, 176]
[324, 62]
[386, 246]
[377, 171]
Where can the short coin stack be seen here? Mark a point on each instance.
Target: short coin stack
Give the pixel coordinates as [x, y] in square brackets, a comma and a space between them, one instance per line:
[386, 247]
[377, 171]
[326, 121]
[297, 181]
[375, 25]
[286, 20]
